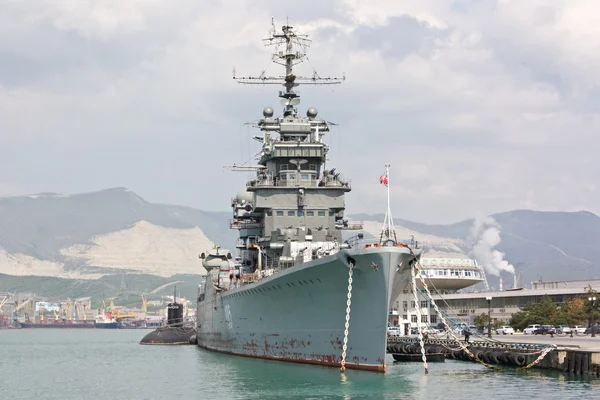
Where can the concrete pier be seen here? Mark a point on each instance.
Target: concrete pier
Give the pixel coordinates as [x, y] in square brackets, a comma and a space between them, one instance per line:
[572, 359]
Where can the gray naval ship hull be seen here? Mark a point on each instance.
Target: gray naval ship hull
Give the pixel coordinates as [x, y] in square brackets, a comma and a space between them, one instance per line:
[298, 314]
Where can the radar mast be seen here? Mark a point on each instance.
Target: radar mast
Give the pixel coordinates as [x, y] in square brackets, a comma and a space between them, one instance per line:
[290, 50]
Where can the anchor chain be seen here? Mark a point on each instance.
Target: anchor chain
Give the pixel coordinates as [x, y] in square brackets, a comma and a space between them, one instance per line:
[439, 313]
[414, 285]
[540, 358]
[347, 324]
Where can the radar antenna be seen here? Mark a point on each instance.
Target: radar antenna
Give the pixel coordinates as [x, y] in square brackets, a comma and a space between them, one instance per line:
[291, 50]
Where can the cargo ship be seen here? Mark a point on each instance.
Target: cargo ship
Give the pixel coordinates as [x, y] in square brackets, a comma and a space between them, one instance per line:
[106, 321]
[60, 324]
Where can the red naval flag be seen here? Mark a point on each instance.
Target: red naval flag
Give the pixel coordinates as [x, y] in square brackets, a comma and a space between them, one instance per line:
[383, 179]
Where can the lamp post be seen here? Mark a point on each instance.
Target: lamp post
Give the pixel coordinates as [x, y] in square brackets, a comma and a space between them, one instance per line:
[592, 301]
[489, 301]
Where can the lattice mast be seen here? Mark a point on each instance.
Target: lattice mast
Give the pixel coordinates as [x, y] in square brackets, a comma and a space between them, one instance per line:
[291, 50]
[388, 232]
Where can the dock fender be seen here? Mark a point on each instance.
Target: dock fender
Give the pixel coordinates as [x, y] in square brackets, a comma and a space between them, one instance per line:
[478, 354]
[494, 357]
[503, 357]
[487, 356]
[520, 360]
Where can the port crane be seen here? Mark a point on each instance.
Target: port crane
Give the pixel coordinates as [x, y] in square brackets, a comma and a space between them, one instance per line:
[158, 289]
[3, 301]
[164, 286]
[27, 304]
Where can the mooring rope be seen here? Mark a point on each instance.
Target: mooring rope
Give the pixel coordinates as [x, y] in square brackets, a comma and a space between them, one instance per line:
[347, 324]
[540, 358]
[414, 285]
[439, 313]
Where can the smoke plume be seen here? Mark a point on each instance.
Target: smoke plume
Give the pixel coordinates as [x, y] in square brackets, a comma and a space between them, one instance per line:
[484, 236]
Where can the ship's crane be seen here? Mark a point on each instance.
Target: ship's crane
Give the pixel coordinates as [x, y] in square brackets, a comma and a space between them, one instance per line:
[68, 309]
[3, 302]
[81, 312]
[144, 304]
[23, 304]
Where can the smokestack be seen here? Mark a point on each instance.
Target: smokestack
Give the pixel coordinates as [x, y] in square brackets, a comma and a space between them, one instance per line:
[514, 281]
[500, 283]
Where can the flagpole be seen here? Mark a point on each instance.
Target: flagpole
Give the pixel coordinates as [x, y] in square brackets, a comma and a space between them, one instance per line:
[392, 227]
[387, 173]
[388, 229]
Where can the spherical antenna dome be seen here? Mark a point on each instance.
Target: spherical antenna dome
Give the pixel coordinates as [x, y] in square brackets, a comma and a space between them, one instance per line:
[311, 112]
[224, 266]
[243, 197]
[268, 112]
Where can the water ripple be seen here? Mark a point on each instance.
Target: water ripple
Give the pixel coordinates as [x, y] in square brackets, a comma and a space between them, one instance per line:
[73, 364]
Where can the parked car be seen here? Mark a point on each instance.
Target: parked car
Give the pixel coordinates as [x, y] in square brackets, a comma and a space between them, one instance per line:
[545, 329]
[459, 329]
[579, 329]
[530, 329]
[562, 329]
[505, 330]
[596, 329]
[482, 329]
[393, 331]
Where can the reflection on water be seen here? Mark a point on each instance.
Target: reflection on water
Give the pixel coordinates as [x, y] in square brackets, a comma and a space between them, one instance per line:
[111, 364]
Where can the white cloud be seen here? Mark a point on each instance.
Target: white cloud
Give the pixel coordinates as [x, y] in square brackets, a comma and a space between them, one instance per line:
[480, 106]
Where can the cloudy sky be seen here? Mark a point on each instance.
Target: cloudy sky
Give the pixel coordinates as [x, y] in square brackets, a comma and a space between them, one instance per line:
[480, 106]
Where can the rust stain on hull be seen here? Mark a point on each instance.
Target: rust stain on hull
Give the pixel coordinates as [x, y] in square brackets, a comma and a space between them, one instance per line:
[323, 360]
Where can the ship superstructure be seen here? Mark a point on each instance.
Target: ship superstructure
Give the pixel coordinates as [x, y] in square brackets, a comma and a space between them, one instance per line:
[293, 210]
[287, 295]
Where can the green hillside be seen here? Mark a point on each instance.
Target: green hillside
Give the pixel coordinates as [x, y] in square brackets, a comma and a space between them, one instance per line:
[126, 289]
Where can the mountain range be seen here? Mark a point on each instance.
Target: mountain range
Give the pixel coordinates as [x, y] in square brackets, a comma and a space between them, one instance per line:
[115, 231]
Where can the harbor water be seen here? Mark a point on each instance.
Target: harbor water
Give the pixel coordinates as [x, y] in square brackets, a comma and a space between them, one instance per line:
[110, 364]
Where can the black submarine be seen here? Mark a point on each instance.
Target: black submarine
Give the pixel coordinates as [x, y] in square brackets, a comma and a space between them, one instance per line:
[176, 331]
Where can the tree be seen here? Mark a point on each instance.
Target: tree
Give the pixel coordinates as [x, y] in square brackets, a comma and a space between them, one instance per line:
[519, 320]
[545, 312]
[481, 320]
[571, 312]
[591, 307]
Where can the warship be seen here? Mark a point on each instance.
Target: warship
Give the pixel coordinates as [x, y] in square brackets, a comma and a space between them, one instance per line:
[296, 291]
